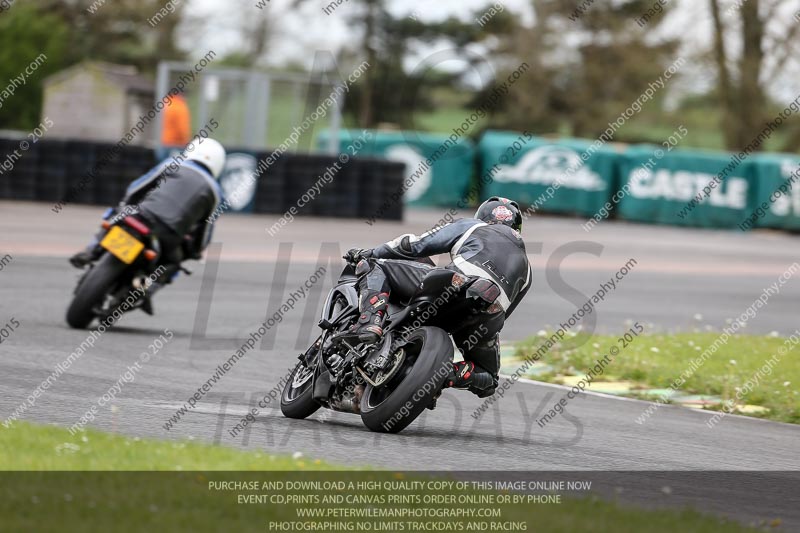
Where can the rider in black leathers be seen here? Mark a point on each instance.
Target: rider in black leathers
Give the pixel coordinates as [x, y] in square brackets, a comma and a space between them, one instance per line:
[488, 246]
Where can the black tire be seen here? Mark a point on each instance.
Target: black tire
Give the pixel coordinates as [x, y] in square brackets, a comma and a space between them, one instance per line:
[296, 401]
[92, 291]
[393, 406]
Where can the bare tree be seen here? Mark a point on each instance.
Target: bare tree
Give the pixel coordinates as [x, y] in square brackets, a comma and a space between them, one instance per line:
[724, 83]
[767, 46]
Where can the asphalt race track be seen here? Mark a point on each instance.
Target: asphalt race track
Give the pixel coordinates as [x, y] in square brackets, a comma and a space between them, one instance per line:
[682, 279]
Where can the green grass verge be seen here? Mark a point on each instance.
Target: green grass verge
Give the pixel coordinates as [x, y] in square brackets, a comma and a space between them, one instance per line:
[657, 360]
[29, 447]
[185, 501]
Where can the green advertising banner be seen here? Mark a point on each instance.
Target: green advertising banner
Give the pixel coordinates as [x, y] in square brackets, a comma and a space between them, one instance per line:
[438, 167]
[775, 198]
[524, 167]
[644, 183]
[679, 188]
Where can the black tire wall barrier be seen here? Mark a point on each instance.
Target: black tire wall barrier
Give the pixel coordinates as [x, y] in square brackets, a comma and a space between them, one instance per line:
[59, 171]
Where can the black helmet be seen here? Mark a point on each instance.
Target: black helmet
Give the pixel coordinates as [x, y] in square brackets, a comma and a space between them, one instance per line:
[498, 210]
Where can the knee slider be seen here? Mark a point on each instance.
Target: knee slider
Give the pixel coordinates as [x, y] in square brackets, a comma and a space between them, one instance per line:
[405, 245]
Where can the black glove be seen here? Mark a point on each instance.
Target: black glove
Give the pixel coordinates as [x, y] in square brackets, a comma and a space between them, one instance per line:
[354, 255]
[483, 393]
[189, 248]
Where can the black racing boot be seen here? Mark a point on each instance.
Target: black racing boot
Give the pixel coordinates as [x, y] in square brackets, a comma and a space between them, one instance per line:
[164, 279]
[86, 256]
[369, 328]
[466, 376]
[147, 301]
[432, 404]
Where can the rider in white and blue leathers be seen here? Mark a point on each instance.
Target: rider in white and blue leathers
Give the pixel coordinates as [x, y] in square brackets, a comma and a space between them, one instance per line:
[176, 200]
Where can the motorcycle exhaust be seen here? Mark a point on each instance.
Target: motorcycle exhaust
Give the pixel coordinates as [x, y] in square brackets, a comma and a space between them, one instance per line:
[347, 405]
[350, 404]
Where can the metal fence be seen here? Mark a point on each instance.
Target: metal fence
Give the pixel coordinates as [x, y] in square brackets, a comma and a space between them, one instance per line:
[255, 109]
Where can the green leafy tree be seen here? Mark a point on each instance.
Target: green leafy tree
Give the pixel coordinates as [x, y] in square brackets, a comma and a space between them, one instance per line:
[130, 32]
[25, 33]
[386, 92]
[390, 92]
[579, 89]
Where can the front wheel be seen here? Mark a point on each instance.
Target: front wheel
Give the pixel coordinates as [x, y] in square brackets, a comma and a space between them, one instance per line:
[395, 404]
[296, 400]
[92, 291]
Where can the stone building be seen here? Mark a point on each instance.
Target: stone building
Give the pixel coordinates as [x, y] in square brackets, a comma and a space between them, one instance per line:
[98, 101]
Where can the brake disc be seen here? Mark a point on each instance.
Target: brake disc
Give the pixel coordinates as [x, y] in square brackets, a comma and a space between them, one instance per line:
[385, 374]
[301, 377]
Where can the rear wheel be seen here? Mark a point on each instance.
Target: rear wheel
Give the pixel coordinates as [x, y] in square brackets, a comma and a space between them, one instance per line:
[296, 400]
[92, 291]
[394, 405]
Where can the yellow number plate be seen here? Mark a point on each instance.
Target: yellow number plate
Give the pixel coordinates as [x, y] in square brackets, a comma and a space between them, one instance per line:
[122, 244]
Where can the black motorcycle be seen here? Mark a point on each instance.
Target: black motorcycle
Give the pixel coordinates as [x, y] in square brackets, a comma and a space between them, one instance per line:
[391, 382]
[119, 279]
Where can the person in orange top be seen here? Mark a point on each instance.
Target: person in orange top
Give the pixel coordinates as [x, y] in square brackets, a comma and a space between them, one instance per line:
[177, 129]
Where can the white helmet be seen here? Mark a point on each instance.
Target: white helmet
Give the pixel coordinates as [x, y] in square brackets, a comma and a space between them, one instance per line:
[208, 153]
